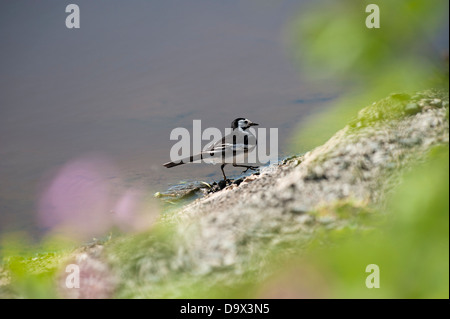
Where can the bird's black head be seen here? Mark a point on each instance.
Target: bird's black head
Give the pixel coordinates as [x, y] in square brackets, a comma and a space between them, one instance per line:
[243, 123]
[235, 123]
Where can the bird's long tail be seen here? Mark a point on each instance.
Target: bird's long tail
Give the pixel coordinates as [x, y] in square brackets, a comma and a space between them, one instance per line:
[172, 164]
[185, 160]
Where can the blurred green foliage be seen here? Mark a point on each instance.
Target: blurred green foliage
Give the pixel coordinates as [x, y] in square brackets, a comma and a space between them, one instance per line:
[33, 277]
[30, 267]
[410, 246]
[412, 249]
[332, 46]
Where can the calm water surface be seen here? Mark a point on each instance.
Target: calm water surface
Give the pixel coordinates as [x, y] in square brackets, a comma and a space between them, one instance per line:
[104, 98]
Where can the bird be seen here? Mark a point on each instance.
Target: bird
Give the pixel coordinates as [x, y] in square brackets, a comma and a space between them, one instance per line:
[231, 149]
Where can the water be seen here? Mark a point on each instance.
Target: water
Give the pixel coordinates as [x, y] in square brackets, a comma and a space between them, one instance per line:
[115, 88]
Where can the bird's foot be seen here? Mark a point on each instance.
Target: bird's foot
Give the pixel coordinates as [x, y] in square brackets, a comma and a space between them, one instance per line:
[253, 168]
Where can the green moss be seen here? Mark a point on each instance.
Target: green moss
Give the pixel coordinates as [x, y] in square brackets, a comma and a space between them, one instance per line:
[33, 276]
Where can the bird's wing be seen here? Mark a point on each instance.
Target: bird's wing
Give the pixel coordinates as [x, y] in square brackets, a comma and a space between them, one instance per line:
[218, 146]
[231, 141]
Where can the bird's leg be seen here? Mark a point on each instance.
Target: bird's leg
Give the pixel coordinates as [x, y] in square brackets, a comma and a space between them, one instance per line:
[253, 168]
[221, 167]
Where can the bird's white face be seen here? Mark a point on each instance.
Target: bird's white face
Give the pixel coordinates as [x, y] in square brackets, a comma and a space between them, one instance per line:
[245, 124]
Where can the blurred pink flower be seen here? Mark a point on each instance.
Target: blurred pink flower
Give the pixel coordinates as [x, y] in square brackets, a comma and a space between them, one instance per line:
[129, 213]
[78, 198]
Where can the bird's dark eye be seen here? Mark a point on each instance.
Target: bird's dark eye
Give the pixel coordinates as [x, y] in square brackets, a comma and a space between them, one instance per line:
[246, 122]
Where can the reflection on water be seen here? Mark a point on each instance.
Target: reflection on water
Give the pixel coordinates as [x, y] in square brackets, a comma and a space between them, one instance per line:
[119, 85]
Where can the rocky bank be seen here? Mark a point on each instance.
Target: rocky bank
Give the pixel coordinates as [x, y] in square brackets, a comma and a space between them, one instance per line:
[231, 233]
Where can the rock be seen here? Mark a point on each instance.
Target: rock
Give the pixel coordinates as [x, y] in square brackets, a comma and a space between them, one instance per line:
[250, 178]
[412, 108]
[410, 141]
[238, 181]
[222, 184]
[299, 209]
[436, 102]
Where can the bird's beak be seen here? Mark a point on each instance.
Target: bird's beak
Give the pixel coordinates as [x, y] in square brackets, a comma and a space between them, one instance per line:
[252, 124]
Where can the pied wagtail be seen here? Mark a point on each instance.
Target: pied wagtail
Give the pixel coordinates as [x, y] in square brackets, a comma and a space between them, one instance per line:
[228, 150]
